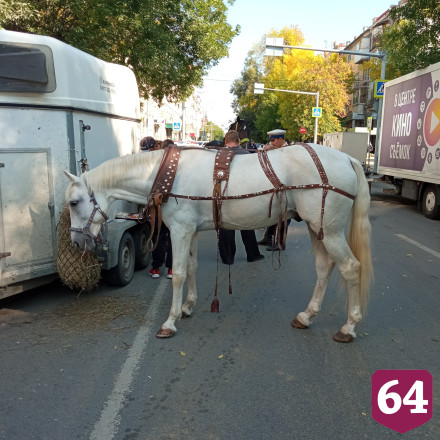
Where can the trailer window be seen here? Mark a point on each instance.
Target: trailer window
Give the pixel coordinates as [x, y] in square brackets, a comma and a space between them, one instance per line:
[26, 68]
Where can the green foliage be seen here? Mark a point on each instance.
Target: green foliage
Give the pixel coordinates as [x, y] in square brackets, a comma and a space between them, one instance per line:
[242, 88]
[15, 12]
[413, 41]
[169, 45]
[297, 70]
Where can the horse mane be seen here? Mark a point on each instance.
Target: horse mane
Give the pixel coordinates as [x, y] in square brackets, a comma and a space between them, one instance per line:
[111, 172]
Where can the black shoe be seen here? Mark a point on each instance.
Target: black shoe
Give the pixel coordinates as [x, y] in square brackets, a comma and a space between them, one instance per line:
[274, 249]
[229, 263]
[258, 258]
[265, 241]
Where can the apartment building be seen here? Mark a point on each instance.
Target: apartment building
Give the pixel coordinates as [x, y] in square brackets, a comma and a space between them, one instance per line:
[362, 104]
[180, 121]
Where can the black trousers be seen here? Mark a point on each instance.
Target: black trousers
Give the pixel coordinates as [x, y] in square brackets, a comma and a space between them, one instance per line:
[163, 253]
[227, 246]
[271, 229]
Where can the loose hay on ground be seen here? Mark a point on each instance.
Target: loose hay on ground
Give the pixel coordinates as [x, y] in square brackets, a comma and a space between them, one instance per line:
[77, 270]
[93, 313]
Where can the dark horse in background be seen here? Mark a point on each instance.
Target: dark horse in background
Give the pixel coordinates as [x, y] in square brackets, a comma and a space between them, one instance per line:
[241, 127]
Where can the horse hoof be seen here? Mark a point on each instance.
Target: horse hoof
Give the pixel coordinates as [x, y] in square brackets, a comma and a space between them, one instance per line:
[165, 333]
[296, 323]
[185, 315]
[343, 337]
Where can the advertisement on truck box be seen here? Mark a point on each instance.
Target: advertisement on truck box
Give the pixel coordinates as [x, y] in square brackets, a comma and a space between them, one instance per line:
[411, 124]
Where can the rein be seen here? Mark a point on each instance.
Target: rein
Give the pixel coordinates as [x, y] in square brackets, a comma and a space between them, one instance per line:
[279, 191]
[86, 230]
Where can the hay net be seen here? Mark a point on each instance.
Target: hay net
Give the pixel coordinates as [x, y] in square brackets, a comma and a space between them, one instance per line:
[77, 269]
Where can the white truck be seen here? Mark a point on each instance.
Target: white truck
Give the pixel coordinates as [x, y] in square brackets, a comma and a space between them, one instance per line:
[352, 143]
[409, 152]
[60, 109]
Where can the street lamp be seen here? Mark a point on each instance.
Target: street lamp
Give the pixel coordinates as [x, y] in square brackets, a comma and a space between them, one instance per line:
[275, 46]
[259, 89]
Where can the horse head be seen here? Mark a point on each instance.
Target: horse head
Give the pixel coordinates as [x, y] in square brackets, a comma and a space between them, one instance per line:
[86, 214]
[241, 126]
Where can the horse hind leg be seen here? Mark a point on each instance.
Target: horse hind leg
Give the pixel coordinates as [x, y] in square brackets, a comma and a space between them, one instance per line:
[191, 298]
[324, 267]
[350, 274]
[349, 268]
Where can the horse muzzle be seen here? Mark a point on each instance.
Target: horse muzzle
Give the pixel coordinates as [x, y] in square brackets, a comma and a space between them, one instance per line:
[82, 240]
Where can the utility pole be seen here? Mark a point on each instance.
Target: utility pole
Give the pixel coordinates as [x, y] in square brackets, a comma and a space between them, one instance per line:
[183, 122]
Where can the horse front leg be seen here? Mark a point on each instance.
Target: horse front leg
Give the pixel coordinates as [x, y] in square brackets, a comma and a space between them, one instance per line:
[191, 298]
[181, 242]
[324, 267]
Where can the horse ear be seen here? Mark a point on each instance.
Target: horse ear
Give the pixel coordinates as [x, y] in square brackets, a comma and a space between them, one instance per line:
[72, 178]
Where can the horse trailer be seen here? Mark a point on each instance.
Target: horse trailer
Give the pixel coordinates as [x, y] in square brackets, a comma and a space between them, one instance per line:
[60, 109]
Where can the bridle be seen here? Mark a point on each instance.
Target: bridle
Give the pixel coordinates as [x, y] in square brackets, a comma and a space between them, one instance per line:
[236, 129]
[100, 238]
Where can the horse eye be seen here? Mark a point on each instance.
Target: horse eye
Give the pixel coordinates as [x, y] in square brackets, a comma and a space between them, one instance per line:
[73, 202]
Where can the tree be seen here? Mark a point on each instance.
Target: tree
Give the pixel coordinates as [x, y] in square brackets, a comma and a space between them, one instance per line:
[296, 70]
[304, 71]
[261, 112]
[211, 131]
[242, 88]
[169, 45]
[413, 41]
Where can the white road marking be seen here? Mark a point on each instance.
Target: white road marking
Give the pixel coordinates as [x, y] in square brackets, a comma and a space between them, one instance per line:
[107, 426]
[419, 245]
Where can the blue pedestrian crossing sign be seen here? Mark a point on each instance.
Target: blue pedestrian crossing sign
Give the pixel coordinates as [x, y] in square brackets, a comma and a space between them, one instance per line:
[176, 126]
[379, 88]
[316, 112]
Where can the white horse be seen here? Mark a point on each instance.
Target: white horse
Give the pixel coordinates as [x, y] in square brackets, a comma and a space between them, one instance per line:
[131, 177]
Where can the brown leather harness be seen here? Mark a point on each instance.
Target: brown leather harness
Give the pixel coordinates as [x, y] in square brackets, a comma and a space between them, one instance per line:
[163, 183]
[222, 166]
[160, 191]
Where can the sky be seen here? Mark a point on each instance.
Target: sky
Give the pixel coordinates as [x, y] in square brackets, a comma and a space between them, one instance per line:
[321, 21]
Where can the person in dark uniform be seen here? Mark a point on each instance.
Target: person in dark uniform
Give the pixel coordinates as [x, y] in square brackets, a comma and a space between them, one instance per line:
[252, 147]
[227, 246]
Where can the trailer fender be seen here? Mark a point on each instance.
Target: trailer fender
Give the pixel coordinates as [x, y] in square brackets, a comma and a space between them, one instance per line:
[109, 257]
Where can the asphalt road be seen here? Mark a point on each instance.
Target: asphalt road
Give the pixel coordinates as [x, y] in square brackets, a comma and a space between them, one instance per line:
[89, 366]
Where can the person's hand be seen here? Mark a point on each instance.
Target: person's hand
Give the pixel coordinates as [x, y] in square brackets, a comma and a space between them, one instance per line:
[267, 147]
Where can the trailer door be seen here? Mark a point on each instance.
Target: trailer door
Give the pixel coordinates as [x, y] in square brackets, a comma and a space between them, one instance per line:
[26, 215]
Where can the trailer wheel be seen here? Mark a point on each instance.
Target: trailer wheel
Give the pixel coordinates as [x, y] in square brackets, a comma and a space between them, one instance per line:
[142, 254]
[431, 202]
[122, 273]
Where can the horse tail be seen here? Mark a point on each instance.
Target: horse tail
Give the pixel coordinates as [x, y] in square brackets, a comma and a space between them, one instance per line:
[359, 234]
